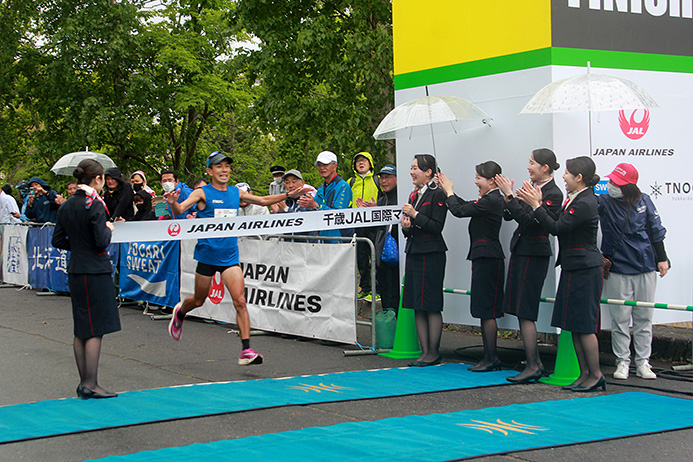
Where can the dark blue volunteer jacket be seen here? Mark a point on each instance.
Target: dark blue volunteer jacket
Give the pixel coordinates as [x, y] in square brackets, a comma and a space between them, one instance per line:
[635, 253]
[44, 209]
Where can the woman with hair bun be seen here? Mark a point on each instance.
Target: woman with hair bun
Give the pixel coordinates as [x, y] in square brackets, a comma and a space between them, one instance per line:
[530, 252]
[424, 269]
[577, 299]
[83, 228]
[486, 254]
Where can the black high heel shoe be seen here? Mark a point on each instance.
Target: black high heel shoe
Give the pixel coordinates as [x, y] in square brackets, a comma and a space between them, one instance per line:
[495, 366]
[533, 377]
[601, 383]
[435, 362]
[91, 394]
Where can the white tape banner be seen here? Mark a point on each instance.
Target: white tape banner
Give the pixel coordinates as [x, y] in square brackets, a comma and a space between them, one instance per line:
[15, 262]
[304, 289]
[167, 230]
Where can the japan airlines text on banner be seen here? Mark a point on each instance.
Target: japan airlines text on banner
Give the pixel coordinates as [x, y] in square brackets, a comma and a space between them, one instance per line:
[206, 228]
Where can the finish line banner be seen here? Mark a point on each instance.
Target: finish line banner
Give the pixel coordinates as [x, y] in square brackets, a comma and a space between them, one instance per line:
[206, 228]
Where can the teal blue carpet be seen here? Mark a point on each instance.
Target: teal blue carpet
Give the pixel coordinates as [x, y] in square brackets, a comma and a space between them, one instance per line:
[441, 437]
[59, 417]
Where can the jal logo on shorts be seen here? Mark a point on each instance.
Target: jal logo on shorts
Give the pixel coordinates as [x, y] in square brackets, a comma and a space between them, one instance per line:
[632, 129]
[174, 229]
[216, 291]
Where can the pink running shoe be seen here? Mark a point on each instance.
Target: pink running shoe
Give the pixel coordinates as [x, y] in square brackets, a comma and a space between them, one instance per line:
[248, 357]
[175, 327]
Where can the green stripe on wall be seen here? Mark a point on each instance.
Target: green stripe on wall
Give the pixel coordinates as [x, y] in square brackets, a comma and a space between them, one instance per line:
[546, 57]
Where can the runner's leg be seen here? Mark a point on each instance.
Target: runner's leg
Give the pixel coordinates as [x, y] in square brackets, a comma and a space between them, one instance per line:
[233, 280]
[202, 286]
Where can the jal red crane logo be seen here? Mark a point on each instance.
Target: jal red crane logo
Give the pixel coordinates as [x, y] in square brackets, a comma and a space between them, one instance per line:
[632, 129]
[174, 229]
[216, 291]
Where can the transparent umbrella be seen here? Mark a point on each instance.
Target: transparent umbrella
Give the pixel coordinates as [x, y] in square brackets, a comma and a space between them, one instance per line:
[422, 113]
[67, 163]
[587, 93]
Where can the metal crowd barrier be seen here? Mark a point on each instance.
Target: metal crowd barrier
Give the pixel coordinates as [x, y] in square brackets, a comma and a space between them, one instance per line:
[364, 350]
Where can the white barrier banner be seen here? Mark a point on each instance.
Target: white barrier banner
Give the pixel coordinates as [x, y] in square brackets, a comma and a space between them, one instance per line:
[167, 230]
[15, 269]
[305, 289]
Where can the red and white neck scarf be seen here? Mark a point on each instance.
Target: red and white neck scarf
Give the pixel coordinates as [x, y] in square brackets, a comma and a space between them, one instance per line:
[91, 196]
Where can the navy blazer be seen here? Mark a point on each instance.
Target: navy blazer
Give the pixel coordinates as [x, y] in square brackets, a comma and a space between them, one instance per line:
[425, 234]
[484, 227]
[84, 233]
[531, 238]
[576, 229]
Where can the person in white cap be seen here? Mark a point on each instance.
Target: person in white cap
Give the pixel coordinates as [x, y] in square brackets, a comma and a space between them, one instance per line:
[334, 193]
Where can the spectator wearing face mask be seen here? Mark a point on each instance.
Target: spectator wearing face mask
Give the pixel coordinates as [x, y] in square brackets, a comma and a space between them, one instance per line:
[139, 183]
[277, 186]
[633, 239]
[170, 183]
[143, 205]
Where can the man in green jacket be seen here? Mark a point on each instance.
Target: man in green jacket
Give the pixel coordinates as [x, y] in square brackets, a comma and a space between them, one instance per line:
[364, 186]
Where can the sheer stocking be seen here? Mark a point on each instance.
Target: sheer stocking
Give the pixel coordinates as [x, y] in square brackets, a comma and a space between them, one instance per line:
[429, 328]
[489, 334]
[529, 339]
[87, 354]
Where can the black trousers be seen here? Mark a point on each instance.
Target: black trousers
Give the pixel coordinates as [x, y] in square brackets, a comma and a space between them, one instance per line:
[363, 258]
[388, 285]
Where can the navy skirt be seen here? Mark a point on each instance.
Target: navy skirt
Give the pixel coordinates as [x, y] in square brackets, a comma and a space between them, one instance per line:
[577, 301]
[94, 305]
[488, 275]
[523, 288]
[423, 281]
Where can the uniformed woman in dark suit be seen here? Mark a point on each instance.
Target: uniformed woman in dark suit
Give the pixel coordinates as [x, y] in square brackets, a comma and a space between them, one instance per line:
[486, 254]
[424, 270]
[83, 229]
[579, 290]
[530, 252]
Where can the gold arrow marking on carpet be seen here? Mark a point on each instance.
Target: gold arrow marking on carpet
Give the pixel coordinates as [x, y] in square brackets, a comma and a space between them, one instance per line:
[501, 427]
[321, 387]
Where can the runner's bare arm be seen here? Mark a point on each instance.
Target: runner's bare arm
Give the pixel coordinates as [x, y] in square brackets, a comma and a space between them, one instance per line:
[273, 199]
[197, 197]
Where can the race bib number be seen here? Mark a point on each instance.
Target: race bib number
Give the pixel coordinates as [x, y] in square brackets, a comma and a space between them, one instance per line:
[225, 213]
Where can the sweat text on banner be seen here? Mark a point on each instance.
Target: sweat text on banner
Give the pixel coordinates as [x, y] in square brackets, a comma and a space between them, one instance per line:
[205, 228]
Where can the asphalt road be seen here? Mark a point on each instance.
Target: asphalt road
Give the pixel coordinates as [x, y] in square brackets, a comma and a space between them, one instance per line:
[37, 364]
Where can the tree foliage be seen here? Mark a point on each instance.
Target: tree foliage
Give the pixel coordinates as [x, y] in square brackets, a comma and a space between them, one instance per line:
[325, 68]
[159, 85]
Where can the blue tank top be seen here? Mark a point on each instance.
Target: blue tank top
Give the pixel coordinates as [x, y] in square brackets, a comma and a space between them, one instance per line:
[220, 251]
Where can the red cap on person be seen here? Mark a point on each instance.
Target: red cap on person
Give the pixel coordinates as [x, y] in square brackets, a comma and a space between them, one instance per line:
[624, 174]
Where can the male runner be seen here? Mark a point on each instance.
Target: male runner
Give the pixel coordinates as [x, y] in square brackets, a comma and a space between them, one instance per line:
[217, 199]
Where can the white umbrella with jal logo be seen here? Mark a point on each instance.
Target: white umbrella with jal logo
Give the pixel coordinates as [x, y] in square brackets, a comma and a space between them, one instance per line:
[587, 93]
